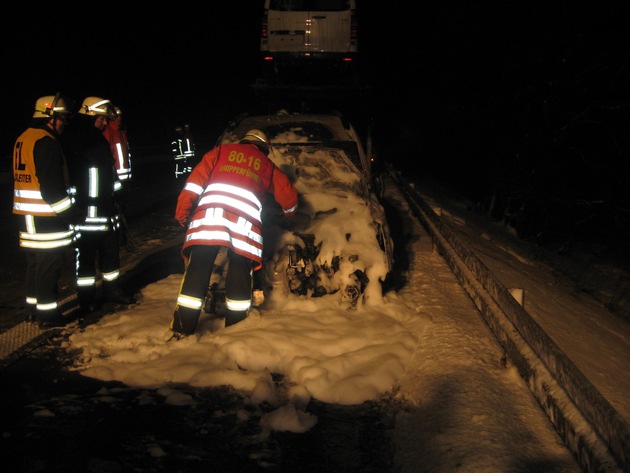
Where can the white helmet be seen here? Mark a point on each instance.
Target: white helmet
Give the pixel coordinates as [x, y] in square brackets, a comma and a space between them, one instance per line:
[96, 106]
[49, 106]
[256, 136]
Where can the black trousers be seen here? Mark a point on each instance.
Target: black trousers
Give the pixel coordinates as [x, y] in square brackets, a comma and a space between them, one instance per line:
[238, 285]
[43, 272]
[97, 250]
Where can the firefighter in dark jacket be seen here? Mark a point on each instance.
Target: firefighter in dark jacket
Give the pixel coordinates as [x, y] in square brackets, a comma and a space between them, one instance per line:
[183, 151]
[43, 201]
[98, 190]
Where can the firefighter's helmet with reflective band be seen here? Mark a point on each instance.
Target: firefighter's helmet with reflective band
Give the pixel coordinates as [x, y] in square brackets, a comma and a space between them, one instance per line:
[49, 106]
[96, 106]
[114, 112]
[256, 136]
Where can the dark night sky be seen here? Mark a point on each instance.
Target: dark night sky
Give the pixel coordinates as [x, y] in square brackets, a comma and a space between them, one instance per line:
[505, 88]
[460, 60]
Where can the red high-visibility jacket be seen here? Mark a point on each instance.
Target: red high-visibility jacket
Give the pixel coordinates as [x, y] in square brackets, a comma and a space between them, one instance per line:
[119, 144]
[223, 197]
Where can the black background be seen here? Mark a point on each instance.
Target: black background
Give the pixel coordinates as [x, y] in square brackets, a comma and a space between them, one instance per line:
[522, 106]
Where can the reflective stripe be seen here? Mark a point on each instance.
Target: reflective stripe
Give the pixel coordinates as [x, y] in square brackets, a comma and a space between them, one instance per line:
[238, 306]
[227, 188]
[31, 201]
[217, 199]
[214, 217]
[30, 224]
[189, 151]
[46, 245]
[28, 194]
[216, 226]
[93, 223]
[192, 187]
[241, 245]
[86, 281]
[93, 182]
[97, 219]
[48, 306]
[94, 228]
[47, 236]
[111, 276]
[62, 205]
[244, 201]
[224, 236]
[292, 209]
[124, 174]
[46, 240]
[190, 302]
[119, 152]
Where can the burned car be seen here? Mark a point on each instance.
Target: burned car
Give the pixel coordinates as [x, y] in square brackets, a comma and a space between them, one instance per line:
[338, 244]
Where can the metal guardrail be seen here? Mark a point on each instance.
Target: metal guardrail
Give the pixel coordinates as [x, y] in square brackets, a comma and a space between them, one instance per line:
[592, 429]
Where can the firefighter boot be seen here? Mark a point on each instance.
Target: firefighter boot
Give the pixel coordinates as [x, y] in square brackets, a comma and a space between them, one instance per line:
[184, 320]
[233, 317]
[50, 319]
[114, 295]
[87, 300]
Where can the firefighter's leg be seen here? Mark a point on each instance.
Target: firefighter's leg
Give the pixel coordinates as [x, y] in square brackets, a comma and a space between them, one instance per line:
[193, 289]
[238, 288]
[86, 272]
[109, 254]
[31, 285]
[48, 273]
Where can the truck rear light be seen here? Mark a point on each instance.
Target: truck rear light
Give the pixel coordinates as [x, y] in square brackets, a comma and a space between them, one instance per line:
[264, 26]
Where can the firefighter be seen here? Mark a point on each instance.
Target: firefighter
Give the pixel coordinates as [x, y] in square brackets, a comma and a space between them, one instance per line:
[98, 193]
[183, 148]
[116, 134]
[189, 148]
[44, 203]
[221, 205]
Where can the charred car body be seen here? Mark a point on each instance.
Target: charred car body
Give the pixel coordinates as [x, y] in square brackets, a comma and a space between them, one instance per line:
[339, 242]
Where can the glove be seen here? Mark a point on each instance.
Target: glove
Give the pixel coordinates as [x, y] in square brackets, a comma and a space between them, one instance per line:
[183, 221]
[183, 211]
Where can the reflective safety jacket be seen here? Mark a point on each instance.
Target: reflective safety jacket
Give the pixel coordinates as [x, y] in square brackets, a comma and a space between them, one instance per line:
[223, 197]
[183, 147]
[42, 194]
[99, 191]
[119, 145]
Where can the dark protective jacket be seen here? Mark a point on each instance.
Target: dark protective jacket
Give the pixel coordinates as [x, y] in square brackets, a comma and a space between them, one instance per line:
[93, 173]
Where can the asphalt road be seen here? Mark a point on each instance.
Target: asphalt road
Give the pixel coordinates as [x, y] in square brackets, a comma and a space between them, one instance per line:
[55, 420]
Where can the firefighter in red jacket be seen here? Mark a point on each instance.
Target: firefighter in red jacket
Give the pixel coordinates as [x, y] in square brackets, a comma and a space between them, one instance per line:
[221, 203]
[44, 202]
[116, 134]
